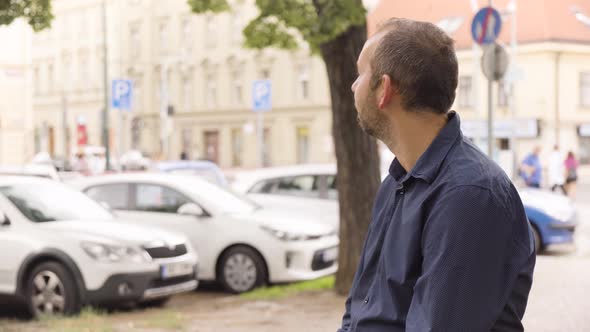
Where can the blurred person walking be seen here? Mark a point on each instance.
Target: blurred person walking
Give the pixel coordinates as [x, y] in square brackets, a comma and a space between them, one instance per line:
[571, 167]
[449, 247]
[531, 170]
[556, 170]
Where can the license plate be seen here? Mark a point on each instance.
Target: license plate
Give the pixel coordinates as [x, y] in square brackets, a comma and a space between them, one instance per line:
[330, 254]
[175, 270]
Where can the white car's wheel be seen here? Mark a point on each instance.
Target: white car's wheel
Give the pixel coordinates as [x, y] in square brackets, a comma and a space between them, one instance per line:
[241, 270]
[51, 291]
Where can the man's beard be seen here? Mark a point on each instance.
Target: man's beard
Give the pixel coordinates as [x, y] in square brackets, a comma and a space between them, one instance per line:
[365, 126]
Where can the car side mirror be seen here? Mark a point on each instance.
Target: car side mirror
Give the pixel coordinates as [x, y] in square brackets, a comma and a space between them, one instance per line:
[191, 209]
[4, 221]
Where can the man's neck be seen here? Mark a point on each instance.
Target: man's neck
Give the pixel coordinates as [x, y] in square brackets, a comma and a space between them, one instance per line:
[412, 133]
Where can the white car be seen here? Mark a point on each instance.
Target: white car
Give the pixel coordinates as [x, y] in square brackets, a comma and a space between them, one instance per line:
[310, 189]
[240, 244]
[61, 250]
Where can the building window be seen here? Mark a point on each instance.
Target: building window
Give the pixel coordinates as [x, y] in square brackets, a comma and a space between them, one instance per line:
[504, 93]
[84, 73]
[68, 73]
[465, 92]
[137, 96]
[236, 28]
[37, 79]
[265, 74]
[236, 87]
[187, 35]
[187, 94]
[303, 82]
[302, 145]
[210, 91]
[50, 78]
[585, 89]
[187, 142]
[163, 36]
[135, 40]
[210, 36]
[236, 144]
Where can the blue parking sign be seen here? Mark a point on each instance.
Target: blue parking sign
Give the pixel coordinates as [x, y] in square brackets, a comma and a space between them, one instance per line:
[122, 93]
[261, 96]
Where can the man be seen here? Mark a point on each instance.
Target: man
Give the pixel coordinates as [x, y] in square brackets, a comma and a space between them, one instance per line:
[449, 247]
[531, 170]
[556, 170]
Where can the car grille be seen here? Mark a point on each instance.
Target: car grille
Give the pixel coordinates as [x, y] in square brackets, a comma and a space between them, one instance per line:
[166, 252]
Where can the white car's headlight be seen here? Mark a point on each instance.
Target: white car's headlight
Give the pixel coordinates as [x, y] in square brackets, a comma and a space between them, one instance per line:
[288, 236]
[113, 254]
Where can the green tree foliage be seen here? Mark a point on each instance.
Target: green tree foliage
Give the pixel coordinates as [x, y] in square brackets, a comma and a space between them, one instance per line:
[36, 12]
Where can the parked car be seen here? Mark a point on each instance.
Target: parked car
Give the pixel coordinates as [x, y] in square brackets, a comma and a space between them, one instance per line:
[61, 250]
[240, 244]
[202, 168]
[36, 170]
[134, 161]
[293, 188]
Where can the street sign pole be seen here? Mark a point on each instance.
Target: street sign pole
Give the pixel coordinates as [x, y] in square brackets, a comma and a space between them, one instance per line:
[105, 111]
[485, 29]
[491, 110]
[261, 102]
[260, 133]
[491, 106]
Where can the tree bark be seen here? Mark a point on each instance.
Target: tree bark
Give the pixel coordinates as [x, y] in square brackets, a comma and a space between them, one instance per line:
[356, 152]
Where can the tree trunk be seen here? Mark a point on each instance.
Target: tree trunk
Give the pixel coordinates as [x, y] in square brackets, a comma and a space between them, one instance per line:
[356, 152]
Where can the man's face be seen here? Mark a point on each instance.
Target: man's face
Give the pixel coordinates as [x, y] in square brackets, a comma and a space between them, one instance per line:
[370, 117]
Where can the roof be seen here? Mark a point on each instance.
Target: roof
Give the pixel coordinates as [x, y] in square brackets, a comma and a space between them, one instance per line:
[35, 180]
[537, 20]
[243, 181]
[147, 177]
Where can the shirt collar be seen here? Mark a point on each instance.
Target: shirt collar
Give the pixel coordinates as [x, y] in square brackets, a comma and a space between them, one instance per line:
[429, 163]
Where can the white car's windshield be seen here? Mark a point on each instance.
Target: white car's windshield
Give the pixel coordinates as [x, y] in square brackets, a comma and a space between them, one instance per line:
[221, 199]
[52, 202]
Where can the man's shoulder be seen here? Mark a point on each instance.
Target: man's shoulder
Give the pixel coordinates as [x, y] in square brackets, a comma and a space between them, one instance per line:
[467, 166]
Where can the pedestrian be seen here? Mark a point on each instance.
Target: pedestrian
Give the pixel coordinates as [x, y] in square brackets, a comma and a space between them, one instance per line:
[556, 170]
[183, 156]
[449, 247]
[531, 170]
[81, 165]
[571, 167]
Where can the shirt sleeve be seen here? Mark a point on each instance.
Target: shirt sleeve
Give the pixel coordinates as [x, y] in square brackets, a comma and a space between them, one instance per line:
[466, 274]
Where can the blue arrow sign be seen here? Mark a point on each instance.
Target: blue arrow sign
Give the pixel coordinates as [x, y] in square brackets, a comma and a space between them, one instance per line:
[486, 25]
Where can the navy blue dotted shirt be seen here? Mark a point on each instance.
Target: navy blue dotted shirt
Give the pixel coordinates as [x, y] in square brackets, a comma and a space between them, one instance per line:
[449, 247]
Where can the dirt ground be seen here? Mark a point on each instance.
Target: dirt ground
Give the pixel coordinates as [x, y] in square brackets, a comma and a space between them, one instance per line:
[205, 311]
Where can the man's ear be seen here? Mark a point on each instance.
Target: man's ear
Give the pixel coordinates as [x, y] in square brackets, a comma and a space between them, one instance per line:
[388, 90]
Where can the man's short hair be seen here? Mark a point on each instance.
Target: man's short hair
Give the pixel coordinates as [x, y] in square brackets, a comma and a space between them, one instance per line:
[420, 59]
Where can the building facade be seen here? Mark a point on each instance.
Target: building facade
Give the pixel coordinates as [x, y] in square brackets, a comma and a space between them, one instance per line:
[544, 98]
[16, 85]
[192, 85]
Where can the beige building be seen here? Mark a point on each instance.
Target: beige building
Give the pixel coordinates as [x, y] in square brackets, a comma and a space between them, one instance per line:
[547, 90]
[16, 85]
[192, 65]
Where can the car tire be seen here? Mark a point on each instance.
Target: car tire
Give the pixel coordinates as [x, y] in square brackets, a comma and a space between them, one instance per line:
[51, 290]
[538, 242]
[156, 303]
[241, 269]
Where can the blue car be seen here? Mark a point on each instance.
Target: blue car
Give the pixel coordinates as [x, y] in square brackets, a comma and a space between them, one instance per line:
[553, 217]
